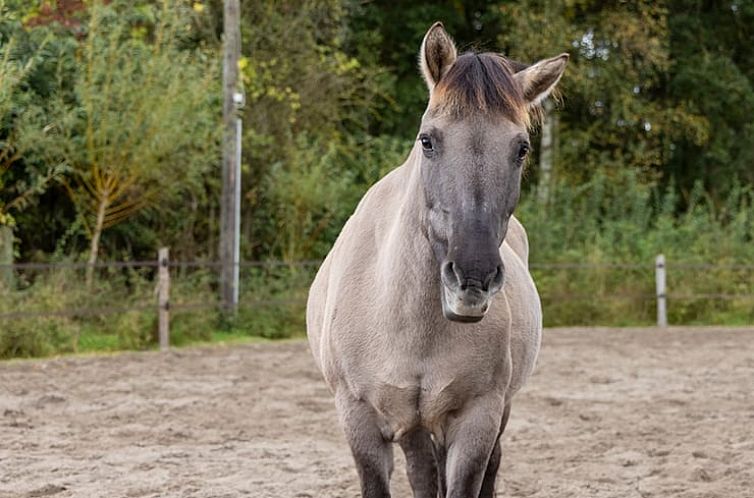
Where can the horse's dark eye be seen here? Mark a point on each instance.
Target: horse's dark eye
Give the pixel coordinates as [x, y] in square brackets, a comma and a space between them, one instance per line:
[426, 142]
[523, 151]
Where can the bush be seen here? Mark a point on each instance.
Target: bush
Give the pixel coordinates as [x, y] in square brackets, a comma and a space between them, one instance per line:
[620, 220]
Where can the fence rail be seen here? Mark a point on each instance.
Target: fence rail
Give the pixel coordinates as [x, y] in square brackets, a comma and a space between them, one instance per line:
[154, 264]
[164, 307]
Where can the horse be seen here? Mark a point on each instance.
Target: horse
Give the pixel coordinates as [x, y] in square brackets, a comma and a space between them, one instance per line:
[400, 316]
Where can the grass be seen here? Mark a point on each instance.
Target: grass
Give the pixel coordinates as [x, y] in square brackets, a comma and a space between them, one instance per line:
[92, 341]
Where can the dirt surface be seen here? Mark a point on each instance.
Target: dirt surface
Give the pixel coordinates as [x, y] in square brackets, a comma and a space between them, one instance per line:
[609, 413]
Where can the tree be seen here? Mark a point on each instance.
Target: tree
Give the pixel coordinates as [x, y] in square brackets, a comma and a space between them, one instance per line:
[712, 77]
[143, 126]
[306, 122]
[20, 181]
[614, 115]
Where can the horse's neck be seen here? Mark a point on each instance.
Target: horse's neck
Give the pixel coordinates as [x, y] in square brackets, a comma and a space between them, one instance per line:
[411, 251]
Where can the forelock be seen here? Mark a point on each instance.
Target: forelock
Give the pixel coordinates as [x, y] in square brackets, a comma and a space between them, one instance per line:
[480, 84]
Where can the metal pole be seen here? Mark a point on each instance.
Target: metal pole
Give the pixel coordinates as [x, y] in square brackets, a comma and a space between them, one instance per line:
[237, 209]
[163, 298]
[662, 312]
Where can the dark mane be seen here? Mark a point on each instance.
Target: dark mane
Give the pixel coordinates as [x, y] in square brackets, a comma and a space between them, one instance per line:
[481, 83]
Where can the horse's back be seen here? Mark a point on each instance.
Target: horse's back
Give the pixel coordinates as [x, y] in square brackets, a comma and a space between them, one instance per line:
[524, 306]
[517, 239]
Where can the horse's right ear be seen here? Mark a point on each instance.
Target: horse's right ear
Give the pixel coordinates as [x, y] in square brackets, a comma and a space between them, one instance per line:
[437, 54]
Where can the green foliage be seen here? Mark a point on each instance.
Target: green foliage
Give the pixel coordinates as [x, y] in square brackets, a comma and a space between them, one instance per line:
[621, 220]
[712, 75]
[272, 307]
[309, 104]
[615, 113]
[62, 291]
[140, 127]
[313, 194]
[21, 56]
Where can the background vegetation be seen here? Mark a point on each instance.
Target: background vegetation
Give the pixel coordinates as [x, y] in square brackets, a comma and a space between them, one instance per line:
[109, 133]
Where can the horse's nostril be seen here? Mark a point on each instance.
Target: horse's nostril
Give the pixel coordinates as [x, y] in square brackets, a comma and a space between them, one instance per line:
[499, 274]
[495, 279]
[450, 274]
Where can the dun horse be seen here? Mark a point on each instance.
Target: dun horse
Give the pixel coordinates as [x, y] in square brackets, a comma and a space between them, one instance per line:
[424, 319]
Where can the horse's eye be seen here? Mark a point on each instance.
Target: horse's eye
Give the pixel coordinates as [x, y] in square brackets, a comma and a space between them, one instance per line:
[426, 142]
[523, 151]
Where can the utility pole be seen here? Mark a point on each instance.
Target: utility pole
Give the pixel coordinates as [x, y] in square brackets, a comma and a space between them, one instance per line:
[231, 176]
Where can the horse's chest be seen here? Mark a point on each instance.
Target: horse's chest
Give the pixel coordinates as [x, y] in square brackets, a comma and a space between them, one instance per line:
[411, 367]
[422, 392]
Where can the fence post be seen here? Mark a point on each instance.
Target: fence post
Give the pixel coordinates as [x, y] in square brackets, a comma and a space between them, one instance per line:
[163, 298]
[662, 311]
[6, 256]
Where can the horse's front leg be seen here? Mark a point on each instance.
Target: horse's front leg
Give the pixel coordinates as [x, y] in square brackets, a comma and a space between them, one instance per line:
[420, 463]
[490, 475]
[472, 435]
[371, 452]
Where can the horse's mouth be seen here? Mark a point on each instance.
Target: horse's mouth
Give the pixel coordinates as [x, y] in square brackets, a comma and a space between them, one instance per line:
[464, 306]
[450, 315]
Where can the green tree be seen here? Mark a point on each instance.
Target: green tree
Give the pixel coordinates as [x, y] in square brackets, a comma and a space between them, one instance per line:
[614, 114]
[712, 77]
[143, 126]
[309, 105]
[21, 179]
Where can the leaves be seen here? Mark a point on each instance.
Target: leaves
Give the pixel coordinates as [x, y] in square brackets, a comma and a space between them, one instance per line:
[140, 126]
[18, 187]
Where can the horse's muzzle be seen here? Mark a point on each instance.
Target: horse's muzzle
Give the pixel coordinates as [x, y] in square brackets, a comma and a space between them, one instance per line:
[467, 299]
[463, 306]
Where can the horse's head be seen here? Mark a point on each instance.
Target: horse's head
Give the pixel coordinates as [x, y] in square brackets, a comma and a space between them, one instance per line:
[474, 140]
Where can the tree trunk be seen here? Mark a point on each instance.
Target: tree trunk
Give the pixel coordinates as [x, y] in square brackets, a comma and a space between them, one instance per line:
[6, 256]
[94, 245]
[546, 153]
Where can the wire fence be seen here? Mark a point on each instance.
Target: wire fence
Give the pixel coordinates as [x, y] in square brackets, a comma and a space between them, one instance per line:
[80, 312]
[154, 264]
[164, 304]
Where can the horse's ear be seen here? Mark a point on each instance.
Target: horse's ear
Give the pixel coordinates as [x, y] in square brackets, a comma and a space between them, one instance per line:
[539, 79]
[437, 54]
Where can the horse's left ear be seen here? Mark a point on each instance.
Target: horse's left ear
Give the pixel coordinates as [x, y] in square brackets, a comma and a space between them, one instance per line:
[538, 80]
[437, 54]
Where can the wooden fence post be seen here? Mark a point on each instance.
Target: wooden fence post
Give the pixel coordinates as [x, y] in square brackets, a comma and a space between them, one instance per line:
[6, 256]
[163, 298]
[662, 311]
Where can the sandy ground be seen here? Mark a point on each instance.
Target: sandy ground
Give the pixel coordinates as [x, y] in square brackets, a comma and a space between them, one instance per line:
[609, 413]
